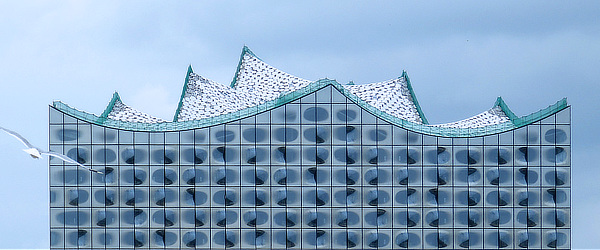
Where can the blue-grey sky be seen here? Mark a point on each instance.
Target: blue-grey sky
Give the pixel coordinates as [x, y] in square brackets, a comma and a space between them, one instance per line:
[460, 55]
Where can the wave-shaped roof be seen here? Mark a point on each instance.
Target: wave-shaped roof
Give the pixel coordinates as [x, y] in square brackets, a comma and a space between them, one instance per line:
[258, 87]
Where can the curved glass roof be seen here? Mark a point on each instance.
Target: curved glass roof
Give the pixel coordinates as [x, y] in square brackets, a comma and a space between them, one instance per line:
[258, 87]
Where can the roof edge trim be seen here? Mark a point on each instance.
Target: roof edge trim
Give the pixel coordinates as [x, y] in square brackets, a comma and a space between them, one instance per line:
[237, 70]
[500, 103]
[414, 98]
[185, 87]
[111, 105]
[311, 88]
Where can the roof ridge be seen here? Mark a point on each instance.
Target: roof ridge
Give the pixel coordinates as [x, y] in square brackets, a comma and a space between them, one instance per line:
[185, 87]
[500, 103]
[111, 105]
[414, 98]
[245, 50]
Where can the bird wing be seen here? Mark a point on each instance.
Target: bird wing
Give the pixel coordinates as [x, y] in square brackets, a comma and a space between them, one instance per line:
[69, 160]
[18, 136]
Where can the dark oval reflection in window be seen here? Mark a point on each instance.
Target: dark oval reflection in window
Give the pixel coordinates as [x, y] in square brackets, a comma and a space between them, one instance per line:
[194, 217]
[286, 134]
[131, 197]
[194, 155]
[378, 218]
[377, 197]
[132, 156]
[225, 217]
[134, 238]
[347, 133]
[499, 155]
[528, 217]
[254, 155]
[225, 136]
[406, 240]
[557, 178]
[67, 134]
[315, 114]
[134, 176]
[255, 198]
[194, 176]
[224, 154]
[499, 217]
[194, 197]
[78, 154]
[377, 155]
[135, 217]
[377, 135]
[347, 197]
[317, 155]
[225, 197]
[348, 239]
[408, 218]
[499, 176]
[224, 176]
[284, 197]
[439, 156]
[526, 176]
[409, 196]
[225, 238]
[499, 198]
[556, 155]
[316, 219]
[318, 134]
[316, 197]
[164, 196]
[105, 218]
[164, 176]
[166, 218]
[348, 177]
[346, 218]
[437, 218]
[470, 218]
[285, 154]
[254, 134]
[377, 176]
[468, 175]
[468, 239]
[468, 198]
[317, 237]
[408, 156]
[555, 136]
[164, 238]
[105, 155]
[346, 155]
[346, 115]
[440, 176]
[377, 240]
[284, 176]
[194, 239]
[257, 177]
[526, 154]
[500, 239]
[286, 219]
[106, 197]
[468, 157]
[164, 156]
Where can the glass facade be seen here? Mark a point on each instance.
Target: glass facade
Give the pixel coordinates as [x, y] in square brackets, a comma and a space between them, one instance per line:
[316, 173]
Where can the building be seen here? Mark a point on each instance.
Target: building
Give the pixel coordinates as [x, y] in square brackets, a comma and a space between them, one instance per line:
[275, 161]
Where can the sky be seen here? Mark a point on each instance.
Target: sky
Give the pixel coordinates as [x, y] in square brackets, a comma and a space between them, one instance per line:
[460, 56]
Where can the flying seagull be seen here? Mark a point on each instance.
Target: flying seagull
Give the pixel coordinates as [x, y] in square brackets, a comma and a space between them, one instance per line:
[37, 153]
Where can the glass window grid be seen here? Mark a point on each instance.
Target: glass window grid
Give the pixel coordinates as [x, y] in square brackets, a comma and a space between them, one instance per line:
[392, 207]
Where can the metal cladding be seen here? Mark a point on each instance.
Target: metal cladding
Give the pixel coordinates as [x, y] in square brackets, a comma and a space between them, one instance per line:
[274, 161]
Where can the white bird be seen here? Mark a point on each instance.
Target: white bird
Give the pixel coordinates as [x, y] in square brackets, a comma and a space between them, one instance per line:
[37, 153]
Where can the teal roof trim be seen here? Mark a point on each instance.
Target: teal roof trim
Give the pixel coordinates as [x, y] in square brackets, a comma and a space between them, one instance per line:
[185, 86]
[500, 103]
[111, 105]
[239, 67]
[414, 98]
[311, 88]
